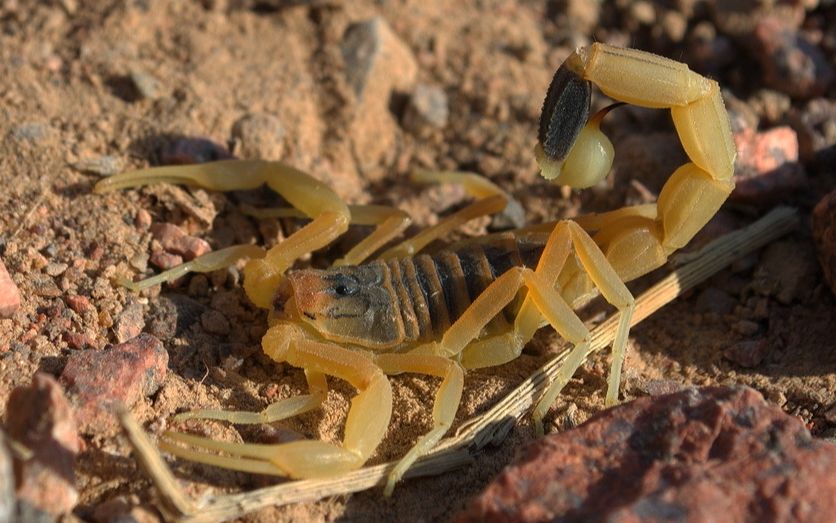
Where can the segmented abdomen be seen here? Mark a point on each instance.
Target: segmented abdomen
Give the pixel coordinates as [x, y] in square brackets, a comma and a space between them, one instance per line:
[434, 290]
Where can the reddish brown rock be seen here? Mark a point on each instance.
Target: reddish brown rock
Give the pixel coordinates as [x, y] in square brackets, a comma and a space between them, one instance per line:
[767, 167]
[185, 150]
[699, 455]
[40, 418]
[165, 260]
[824, 234]
[124, 373]
[79, 304]
[174, 240]
[9, 294]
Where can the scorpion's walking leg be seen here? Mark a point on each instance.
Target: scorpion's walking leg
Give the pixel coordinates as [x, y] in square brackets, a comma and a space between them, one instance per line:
[365, 427]
[490, 199]
[389, 223]
[282, 409]
[447, 401]
[330, 215]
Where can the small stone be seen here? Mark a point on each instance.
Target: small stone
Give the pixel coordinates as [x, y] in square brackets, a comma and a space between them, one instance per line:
[32, 132]
[55, 269]
[142, 220]
[130, 322]
[674, 25]
[715, 300]
[710, 454]
[748, 354]
[174, 240]
[43, 285]
[790, 63]
[816, 127]
[259, 136]
[123, 374]
[186, 150]
[165, 260]
[9, 294]
[139, 261]
[824, 235]
[426, 110]
[40, 418]
[101, 165]
[767, 167]
[583, 14]
[214, 322]
[830, 415]
[643, 12]
[377, 63]
[77, 340]
[746, 327]
[708, 51]
[146, 85]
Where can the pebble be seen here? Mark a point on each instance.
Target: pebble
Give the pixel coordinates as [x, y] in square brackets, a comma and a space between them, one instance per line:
[747, 327]
[816, 127]
[55, 269]
[142, 220]
[101, 165]
[767, 167]
[259, 136]
[129, 322]
[790, 63]
[426, 111]
[377, 63]
[748, 354]
[824, 235]
[185, 150]
[709, 454]
[165, 260]
[97, 381]
[32, 132]
[77, 340]
[715, 300]
[39, 417]
[9, 293]
[214, 322]
[146, 85]
[174, 240]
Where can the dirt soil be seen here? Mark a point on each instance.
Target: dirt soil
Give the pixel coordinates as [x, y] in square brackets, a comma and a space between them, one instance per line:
[92, 88]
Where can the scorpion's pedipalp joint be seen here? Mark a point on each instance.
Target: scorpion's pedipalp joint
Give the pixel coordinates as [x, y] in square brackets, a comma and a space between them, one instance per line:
[565, 111]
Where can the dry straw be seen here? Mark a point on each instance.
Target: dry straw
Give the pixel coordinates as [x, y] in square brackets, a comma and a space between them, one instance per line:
[473, 435]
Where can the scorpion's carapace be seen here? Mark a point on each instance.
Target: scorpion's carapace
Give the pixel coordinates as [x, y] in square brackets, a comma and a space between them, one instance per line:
[437, 315]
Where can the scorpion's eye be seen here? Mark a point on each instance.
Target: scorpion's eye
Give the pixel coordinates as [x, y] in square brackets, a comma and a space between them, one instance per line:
[345, 287]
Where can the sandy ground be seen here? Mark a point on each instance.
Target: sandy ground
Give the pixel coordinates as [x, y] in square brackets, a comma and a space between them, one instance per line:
[69, 97]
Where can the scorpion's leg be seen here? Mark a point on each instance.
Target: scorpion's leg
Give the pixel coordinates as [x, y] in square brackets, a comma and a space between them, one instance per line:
[447, 401]
[282, 409]
[365, 427]
[389, 223]
[330, 215]
[490, 199]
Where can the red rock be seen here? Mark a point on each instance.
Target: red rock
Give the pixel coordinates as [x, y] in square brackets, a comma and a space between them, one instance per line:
[165, 260]
[79, 304]
[77, 340]
[40, 418]
[124, 373]
[824, 234]
[174, 240]
[699, 455]
[9, 294]
[767, 167]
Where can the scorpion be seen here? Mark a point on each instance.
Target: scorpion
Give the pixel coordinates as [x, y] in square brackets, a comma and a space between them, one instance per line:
[474, 304]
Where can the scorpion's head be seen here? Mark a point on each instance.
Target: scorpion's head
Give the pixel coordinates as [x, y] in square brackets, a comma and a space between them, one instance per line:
[353, 304]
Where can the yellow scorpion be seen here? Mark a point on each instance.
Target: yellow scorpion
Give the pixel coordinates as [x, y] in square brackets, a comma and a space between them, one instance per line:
[473, 305]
